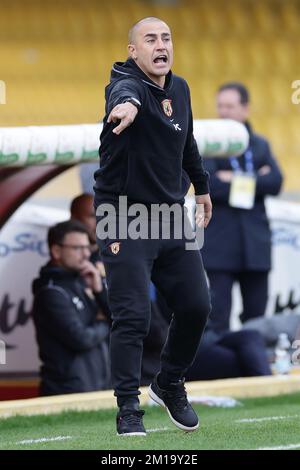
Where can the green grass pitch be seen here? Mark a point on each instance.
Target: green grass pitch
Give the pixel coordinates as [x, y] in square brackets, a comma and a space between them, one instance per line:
[266, 422]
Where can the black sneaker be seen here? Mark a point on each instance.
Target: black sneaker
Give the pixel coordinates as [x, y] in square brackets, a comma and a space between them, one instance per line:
[176, 403]
[130, 422]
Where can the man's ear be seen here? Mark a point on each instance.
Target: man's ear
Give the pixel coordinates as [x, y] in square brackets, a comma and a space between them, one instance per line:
[246, 110]
[132, 51]
[55, 252]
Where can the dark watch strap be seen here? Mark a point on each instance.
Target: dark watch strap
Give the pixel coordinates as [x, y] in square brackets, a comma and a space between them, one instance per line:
[133, 101]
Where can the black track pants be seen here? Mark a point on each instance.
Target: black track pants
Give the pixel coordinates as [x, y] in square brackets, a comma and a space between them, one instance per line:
[179, 275]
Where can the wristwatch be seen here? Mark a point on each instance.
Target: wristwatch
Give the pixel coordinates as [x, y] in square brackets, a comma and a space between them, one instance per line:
[133, 101]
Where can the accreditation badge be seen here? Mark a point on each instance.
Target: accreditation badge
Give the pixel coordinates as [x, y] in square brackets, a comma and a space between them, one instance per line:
[242, 190]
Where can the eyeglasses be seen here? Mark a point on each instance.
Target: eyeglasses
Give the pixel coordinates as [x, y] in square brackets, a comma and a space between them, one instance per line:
[76, 248]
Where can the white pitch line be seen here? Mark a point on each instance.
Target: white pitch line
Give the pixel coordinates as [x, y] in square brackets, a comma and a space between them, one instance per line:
[287, 447]
[267, 418]
[44, 439]
[158, 429]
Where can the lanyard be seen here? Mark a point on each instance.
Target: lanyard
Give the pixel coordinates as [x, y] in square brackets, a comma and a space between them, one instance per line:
[248, 162]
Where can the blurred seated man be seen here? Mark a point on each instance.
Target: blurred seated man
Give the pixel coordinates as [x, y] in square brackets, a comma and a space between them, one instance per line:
[229, 355]
[271, 327]
[225, 355]
[82, 209]
[71, 333]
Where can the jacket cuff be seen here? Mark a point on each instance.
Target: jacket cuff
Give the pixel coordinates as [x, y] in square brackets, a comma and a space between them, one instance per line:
[202, 186]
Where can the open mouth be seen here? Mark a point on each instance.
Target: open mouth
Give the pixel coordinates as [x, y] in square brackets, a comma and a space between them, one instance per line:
[161, 59]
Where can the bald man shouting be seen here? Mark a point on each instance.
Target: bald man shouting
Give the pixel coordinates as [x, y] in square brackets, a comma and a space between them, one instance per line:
[148, 154]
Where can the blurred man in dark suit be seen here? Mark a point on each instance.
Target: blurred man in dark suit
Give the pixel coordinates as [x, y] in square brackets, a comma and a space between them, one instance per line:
[238, 240]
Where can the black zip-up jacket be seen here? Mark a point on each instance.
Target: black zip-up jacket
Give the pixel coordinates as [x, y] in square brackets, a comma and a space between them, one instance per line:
[72, 344]
[156, 157]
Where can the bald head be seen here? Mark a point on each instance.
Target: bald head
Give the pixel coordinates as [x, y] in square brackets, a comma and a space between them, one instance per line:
[82, 209]
[134, 29]
[150, 46]
[80, 204]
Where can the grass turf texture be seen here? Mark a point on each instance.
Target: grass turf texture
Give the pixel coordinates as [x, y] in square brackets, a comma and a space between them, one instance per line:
[218, 429]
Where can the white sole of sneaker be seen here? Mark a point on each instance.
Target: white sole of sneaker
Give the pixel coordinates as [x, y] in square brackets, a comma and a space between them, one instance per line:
[132, 434]
[157, 400]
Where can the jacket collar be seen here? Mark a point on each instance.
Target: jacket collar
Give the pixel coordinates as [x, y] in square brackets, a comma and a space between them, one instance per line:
[121, 70]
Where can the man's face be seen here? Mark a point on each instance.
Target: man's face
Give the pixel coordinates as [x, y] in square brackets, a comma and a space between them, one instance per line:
[73, 252]
[229, 106]
[86, 215]
[152, 50]
[89, 220]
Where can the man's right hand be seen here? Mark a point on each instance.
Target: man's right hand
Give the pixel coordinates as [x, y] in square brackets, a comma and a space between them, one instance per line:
[91, 276]
[225, 175]
[126, 113]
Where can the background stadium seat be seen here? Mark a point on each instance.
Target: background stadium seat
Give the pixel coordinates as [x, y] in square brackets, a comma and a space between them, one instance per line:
[56, 59]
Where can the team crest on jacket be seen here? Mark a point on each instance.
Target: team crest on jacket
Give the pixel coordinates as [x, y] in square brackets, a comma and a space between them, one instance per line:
[166, 104]
[115, 247]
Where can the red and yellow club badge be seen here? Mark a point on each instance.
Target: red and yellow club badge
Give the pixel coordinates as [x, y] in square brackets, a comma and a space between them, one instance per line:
[115, 247]
[166, 105]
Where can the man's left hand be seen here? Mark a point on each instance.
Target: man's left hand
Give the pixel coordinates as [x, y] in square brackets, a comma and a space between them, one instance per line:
[203, 210]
